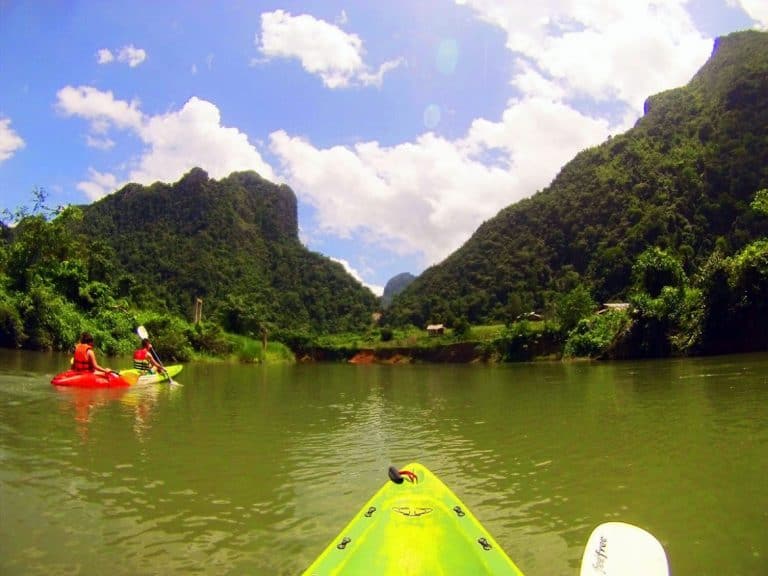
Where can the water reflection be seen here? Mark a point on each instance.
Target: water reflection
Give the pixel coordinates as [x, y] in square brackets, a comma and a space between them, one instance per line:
[139, 401]
[142, 402]
[83, 402]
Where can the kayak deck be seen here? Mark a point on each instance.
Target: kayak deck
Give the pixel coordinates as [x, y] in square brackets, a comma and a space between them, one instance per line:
[415, 528]
[83, 379]
[133, 374]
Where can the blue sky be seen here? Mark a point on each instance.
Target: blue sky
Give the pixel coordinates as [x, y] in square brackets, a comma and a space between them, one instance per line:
[400, 125]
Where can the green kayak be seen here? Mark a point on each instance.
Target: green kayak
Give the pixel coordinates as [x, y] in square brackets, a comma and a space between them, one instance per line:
[136, 377]
[414, 525]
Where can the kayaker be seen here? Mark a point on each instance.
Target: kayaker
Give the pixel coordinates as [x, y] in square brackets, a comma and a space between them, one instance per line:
[84, 358]
[144, 360]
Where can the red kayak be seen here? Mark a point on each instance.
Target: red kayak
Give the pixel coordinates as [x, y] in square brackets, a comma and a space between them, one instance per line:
[80, 379]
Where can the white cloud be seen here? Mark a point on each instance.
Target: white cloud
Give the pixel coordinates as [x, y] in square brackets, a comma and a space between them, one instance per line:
[602, 49]
[127, 55]
[194, 136]
[377, 78]
[100, 108]
[322, 48]
[10, 142]
[131, 55]
[376, 289]
[430, 195]
[100, 143]
[99, 185]
[104, 56]
[533, 84]
[174, 142]
[757, 10]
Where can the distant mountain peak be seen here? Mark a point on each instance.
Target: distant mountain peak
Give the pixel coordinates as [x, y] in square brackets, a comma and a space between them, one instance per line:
[395, 286]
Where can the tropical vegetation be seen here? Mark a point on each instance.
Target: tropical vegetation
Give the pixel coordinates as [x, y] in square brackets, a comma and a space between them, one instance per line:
[681, 180]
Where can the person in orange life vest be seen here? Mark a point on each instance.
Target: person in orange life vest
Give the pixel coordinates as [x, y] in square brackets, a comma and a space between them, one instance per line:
[84, 358]
[144, 360]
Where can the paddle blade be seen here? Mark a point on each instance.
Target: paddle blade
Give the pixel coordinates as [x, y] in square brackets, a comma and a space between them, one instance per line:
[142, 332]
[619, 549]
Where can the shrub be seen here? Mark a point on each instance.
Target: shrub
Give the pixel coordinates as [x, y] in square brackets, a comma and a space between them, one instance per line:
[515, 342]
[209, 338]
[169, 337]
[50, 322]
[592, 336]
[461, 329]
[571, 307]
[11, 325]
[655, 269]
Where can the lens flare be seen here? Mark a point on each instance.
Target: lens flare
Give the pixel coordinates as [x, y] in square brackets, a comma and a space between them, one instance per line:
[447, 56]
[431, 116]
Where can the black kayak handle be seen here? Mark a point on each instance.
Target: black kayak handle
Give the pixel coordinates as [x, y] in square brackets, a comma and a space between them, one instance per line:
[395, 476]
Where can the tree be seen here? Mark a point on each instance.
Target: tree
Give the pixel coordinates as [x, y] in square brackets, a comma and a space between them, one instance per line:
[461, 328]
[667, 313]
[749, 282]
[655, 269]
[264, 330]
[760, 202]
[573, 306]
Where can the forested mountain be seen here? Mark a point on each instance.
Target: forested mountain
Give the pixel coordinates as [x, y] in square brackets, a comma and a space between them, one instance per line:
[394, 286]
[681, 179]
[234, 244]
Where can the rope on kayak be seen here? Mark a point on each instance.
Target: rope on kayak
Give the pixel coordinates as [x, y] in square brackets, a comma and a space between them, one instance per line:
[411, 475]
[397, 476]
[484, 543]
[412, 512]
[459, 511]
[343, 544]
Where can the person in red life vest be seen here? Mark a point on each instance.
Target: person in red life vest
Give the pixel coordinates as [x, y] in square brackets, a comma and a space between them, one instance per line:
[84, 358]
[144, 360]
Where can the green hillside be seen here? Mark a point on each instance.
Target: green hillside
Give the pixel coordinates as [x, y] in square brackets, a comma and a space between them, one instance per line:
[232, 243]
[681, 179]
[148, 255]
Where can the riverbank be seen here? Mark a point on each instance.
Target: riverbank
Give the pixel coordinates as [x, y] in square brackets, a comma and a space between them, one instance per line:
[460, 352]
[487, 344]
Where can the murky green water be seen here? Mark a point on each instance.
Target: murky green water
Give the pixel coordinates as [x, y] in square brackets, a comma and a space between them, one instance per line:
[251, 470]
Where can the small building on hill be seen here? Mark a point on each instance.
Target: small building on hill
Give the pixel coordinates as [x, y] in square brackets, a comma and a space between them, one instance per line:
[530, 316]
[435, 329]
[614, 307]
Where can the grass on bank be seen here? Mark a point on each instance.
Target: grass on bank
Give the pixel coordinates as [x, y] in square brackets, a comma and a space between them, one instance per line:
[249, 350]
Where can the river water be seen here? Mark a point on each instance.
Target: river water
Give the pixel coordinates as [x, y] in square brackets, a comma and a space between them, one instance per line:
[254, 470]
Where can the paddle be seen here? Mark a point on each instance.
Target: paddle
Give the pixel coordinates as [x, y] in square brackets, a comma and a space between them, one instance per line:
[619, 549]
[142, 332]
